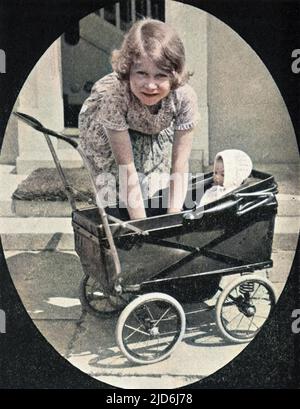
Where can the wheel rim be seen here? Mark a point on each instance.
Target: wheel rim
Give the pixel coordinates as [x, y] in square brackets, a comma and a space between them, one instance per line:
[96, 301]
[242, 314]
[151, 330]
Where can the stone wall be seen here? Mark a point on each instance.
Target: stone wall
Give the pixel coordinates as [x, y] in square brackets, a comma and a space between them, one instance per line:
[191, 24]
[246, 109]
[239, 102]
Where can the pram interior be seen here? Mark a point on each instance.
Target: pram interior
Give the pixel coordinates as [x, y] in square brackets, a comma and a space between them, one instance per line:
[155, 206]
[177, 253]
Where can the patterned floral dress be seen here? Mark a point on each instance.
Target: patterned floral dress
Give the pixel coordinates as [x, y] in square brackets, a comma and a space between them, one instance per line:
[112, 105]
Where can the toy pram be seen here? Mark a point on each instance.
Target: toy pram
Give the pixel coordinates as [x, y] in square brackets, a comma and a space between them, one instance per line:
[149, 268]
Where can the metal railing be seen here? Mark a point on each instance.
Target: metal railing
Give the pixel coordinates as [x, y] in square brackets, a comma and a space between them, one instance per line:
[123, 14]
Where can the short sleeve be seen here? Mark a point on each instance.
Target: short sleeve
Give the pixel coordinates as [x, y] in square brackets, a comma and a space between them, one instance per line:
[187, 114]
[109, 99]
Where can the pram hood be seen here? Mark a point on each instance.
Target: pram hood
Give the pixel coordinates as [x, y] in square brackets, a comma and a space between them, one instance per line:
[237, 168]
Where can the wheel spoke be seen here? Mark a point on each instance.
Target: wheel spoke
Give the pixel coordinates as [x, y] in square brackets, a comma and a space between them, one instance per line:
[242, 317]
[149, 312]
[231, 320]
[138, 319]
[135, 330]
[166, 312]
[253, 295]
[262, 300]
[252, 323]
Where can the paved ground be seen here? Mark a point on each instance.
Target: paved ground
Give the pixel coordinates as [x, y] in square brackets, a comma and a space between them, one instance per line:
[48, 285]
[47, 282]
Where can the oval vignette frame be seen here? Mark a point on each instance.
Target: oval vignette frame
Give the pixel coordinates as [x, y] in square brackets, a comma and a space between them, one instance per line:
[39, 326]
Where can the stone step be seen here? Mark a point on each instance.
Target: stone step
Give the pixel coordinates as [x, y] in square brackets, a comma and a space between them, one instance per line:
[287, 176]
[8, 184]
[27, 163]
[288, 205]
[282, 263]
[36, 233]
[286, 233]
[288, 198]
[41, 233]
[34, 208]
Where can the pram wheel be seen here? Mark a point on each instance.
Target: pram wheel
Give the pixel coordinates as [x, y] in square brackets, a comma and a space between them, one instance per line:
[243, 307]
[150, 327]
[94, 300]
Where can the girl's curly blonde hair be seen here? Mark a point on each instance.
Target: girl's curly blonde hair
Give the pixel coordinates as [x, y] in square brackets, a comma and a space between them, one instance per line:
[156, 40]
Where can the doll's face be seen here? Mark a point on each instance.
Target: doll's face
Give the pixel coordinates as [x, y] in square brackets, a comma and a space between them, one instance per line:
[218, 176]
[149, 83]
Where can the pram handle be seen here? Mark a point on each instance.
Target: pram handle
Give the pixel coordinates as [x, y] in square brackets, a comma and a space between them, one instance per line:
[267, 196]
[200, 211]
[263, 193]
[248, 208]
[34, 123]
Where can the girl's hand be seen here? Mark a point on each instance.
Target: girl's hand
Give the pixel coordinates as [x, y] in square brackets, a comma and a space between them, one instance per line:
[171, 211]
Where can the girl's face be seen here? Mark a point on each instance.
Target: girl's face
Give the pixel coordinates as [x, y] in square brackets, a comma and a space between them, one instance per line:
[149, 83]
[218, 176]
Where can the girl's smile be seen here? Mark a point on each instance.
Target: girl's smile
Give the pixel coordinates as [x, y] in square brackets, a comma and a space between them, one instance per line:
[149, 83]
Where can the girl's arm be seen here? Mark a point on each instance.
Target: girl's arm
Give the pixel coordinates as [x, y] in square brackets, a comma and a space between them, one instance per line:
[130, 189]
[181, 151]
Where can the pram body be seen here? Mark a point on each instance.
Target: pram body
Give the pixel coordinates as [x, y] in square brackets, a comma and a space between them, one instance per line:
[149, 268]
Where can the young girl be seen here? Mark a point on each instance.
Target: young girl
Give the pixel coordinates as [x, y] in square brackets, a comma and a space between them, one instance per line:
[139, 118]
[231, 168]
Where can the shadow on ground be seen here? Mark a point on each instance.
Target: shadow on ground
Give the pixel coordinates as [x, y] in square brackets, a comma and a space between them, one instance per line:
[48, 283]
